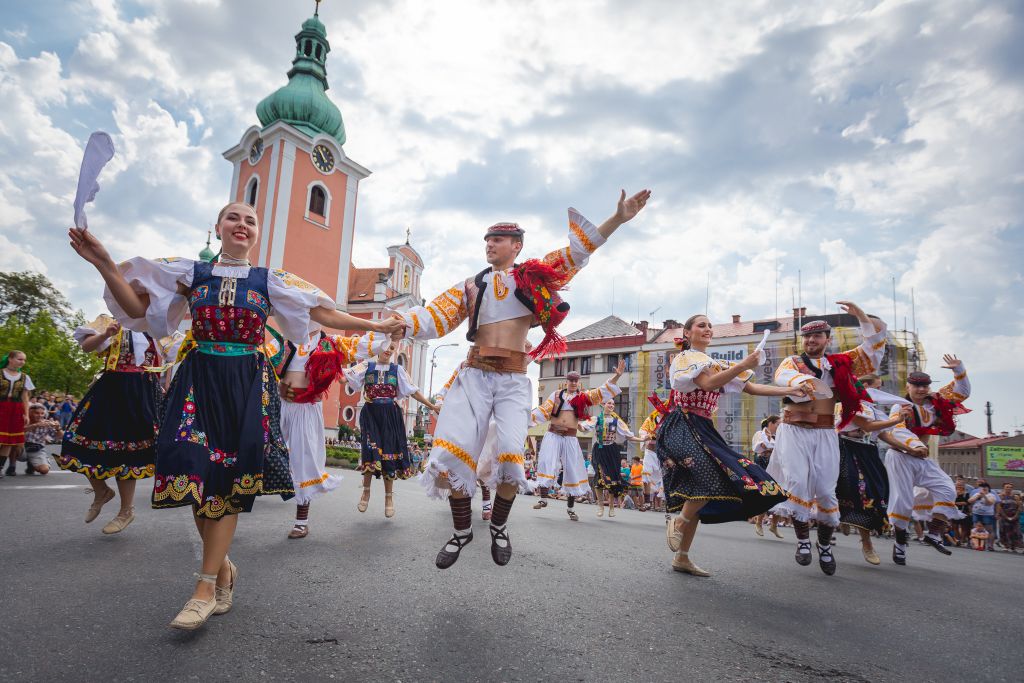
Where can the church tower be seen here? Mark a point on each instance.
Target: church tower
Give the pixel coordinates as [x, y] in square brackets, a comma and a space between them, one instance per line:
[293, 170]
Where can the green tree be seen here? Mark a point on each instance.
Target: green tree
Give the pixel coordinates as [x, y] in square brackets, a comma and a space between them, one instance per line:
[26, 294]
[55, 361]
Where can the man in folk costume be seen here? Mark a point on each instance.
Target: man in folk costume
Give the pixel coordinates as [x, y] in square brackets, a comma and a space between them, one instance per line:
[907, 462]
[806, 457]
[564, 410]
[502, 303]
[306, 372]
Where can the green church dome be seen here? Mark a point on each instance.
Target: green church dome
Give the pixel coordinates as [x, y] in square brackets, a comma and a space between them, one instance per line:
[207, 254]
[303, 102]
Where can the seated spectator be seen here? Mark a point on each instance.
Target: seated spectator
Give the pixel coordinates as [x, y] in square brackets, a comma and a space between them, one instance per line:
[979, 536]
[38, 433]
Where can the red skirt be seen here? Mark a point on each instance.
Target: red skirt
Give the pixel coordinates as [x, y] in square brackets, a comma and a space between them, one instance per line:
[12, 423]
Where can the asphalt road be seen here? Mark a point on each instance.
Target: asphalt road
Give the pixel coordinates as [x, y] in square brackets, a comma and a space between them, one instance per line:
[360, 599]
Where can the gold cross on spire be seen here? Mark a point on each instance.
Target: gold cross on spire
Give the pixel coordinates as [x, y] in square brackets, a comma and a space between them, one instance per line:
[408, 231]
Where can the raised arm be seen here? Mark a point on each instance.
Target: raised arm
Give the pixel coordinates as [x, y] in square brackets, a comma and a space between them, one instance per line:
[867, 356]
[87, 246]
[542, 413]
[708, 380]
[585, 237]
[960, 388]
[440, 317]
[329, 317]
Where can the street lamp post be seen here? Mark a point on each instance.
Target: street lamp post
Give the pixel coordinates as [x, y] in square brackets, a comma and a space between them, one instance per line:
[433, 364]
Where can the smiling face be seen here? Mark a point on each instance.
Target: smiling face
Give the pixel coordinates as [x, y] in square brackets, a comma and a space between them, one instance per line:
[815, 344]
[16, 360]
[385, 355]
[700, 333]
[918, 392]
[238, 229]
[501, 250]
[36, 414]
[609, 406]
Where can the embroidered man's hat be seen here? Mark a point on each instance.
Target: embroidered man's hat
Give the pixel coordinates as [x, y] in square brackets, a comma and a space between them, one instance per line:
[504, 230]
[919, 379]
[815, 326]
[572, 375]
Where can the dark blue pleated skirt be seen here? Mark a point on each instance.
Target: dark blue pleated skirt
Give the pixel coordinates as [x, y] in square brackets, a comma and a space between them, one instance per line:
[607, 462]
[220, 442]
[863, 486]
[113, 431]
[698, 464]
[384, 448]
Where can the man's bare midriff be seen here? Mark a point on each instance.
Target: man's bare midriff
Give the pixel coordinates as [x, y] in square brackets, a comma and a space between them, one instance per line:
[507, 334]
[567, 418]
[296, 379]
[819, 406]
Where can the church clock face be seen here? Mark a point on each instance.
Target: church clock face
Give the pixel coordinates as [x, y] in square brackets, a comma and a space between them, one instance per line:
[256, 151]
[323, 158]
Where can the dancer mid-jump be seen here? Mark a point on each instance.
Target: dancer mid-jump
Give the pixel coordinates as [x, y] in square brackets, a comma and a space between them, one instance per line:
[501, 302]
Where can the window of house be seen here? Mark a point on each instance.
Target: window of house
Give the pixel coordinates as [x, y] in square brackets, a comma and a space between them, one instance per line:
[585, 365]
[571, 364]
[559, 367]
[318, 201]
[611, 360]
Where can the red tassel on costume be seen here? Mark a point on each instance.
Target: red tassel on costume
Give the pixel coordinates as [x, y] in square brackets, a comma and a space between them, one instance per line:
[322, 368]
[540, 282]
[581, 406]
[944, 422]
[851, 392]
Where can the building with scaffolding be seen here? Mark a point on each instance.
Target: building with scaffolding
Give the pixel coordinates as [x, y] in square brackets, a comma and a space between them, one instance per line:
[594, 350]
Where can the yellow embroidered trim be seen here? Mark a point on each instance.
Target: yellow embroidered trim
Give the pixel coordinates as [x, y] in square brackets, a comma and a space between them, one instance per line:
[579, 483]
[438, 325]
[861, 363]
[801, 501]
[960, 376]
[500, 290]
[878, 345]
[514, 458]
[923, 507]
[945, 504]
[456, 451]
[568, 257]
[545, 476]
[828, 511]
[582, 237]
[905, 519]
[313, 482]
[415, 324]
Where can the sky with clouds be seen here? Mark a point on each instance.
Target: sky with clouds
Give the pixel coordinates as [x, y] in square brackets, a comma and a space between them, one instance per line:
[868, 139]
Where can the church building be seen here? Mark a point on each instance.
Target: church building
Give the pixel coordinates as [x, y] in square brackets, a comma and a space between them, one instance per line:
[292, 168]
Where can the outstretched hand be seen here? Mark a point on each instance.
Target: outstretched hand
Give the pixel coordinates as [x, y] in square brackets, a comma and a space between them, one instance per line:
[88, 247]
[629, 208]
[951, 361]
[395, 326]
[852, 309]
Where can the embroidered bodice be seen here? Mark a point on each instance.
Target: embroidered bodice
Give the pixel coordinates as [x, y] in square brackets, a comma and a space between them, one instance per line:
[228, 309]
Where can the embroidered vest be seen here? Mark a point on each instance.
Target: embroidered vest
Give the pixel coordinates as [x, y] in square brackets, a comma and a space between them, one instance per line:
[120, 355]
[228, 309]
[380, 384]
[11, 391]
[700, 402]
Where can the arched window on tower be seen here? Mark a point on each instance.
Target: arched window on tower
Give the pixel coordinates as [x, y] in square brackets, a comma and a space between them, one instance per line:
[306, 48]
[319, 51]
[317, 201]
[318, 204]
[252, 191]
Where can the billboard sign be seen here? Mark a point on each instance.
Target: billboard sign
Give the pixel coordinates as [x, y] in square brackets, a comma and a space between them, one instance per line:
[1004, 461]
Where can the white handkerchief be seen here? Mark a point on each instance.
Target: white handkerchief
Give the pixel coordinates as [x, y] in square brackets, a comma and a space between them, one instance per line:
[883, 398]
[98, 151]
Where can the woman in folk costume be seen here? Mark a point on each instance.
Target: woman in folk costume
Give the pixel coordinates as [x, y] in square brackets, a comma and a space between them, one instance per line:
[384, 451]
[15, 389]
[704, 478]
[907, 462]
[863, 487]
[653, 486]
[306, 372]
[610, 432]
[112, 434]
[219, 442]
